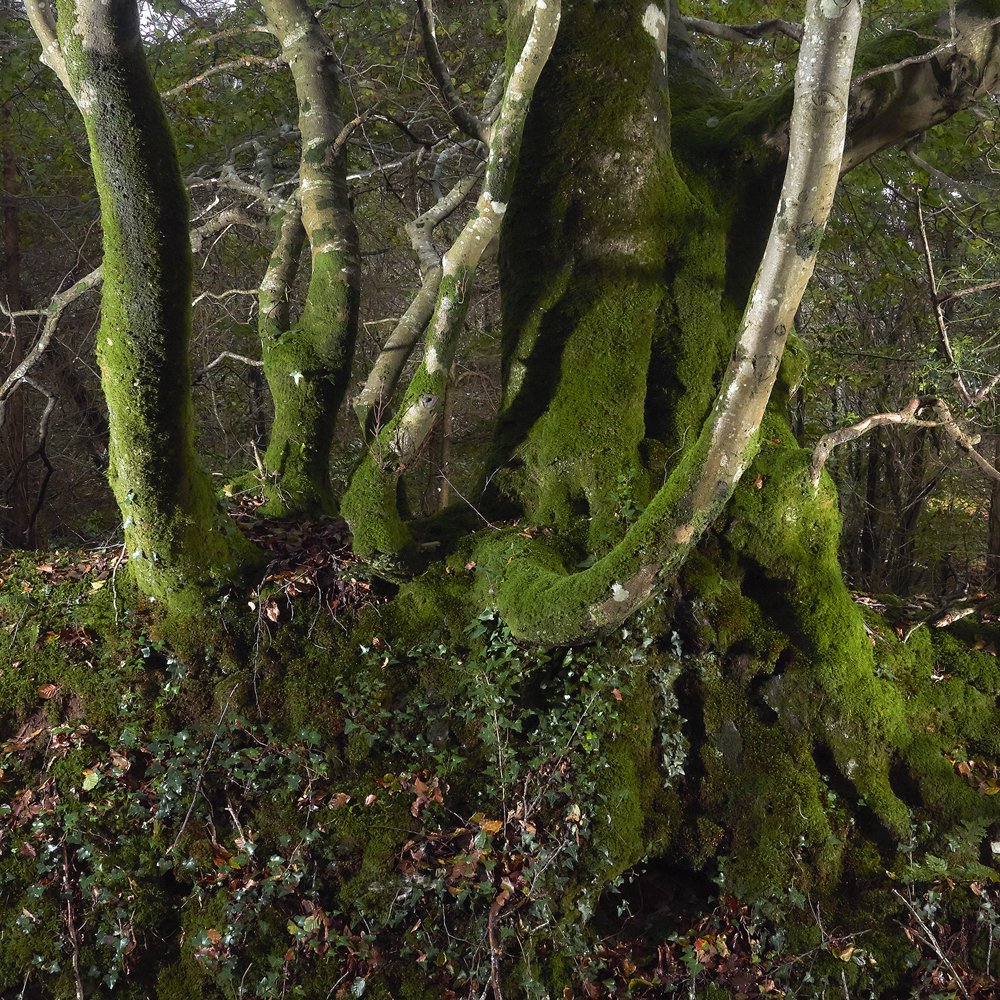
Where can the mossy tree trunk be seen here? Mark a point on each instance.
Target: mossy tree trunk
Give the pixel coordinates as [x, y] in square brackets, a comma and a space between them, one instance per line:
[369, 505]
[307, 359]
[180, 544]
[638, 353]
[636, 362]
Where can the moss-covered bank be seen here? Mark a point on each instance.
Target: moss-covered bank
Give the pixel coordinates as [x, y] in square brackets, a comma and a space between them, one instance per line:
[375, 803]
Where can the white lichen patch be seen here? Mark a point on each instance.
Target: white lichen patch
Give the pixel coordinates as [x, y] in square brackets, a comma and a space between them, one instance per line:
[88, 96]
[655, 23]
[295, 35]
[619, 593]
[499, 207]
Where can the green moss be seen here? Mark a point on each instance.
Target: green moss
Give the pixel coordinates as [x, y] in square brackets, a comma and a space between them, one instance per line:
[599, 297]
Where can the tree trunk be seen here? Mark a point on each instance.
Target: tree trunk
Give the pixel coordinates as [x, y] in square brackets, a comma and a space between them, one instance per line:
[307, 361]
[606, 297]
[180, 545]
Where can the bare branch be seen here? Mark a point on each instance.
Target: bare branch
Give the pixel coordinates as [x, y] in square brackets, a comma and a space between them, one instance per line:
[826, 444]
[907, 416]
[457, 111]
[235, 357]
[232, 217]
[743, 32]
[939, 312]
[926, 57]
[247, 60]
[345, 132]
[384, 376]
[968, 291]
[52, 313]
[231, 33]
[962, 440]
[226, 294]
[421, 228]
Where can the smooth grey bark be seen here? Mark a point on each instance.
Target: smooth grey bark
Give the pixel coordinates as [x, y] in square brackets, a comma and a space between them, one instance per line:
[307, 361]
[369, 505]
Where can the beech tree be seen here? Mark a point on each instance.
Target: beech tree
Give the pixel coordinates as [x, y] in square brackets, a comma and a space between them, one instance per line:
[643, 498]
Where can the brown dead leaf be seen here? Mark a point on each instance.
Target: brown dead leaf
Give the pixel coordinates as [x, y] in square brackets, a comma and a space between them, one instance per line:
[47, 691]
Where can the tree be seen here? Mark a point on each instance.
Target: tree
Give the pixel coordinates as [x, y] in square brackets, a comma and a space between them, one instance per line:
[673, 549]
[177, 539]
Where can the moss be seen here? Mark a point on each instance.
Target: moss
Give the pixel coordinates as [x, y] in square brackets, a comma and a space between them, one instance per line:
[178, 542]
[580, 394]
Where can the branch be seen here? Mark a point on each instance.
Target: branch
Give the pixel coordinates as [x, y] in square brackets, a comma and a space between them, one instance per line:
[248, 60]
[52, 313]
[345, 132]
[235, 357]
[274, 294]
[933, 942]
[938, 311]
[225, 295]
[743, 32]
[962, 440]
[968, 291]
[826, 444]
[370, 499]
[908, 417]
[922, 90]
[925, 57]
[405, 435]
[942, 179]
[231, 217]
[457, 111]
[384, 376]
[231, 33]
[44, 26]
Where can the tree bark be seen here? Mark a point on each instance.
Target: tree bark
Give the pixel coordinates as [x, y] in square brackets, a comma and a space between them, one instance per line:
[307, 362]
[180, 545]
[369, 505]
[598, 320]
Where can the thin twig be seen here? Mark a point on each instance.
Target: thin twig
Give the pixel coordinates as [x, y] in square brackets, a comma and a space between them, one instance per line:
[204, 764]
[71, 926]
[932, 941]
[236, 357]
[938, 311]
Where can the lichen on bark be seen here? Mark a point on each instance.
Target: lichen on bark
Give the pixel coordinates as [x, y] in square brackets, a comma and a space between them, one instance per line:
[307, 360]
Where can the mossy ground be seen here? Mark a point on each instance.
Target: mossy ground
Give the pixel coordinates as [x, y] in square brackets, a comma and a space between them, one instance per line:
[319, 805]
